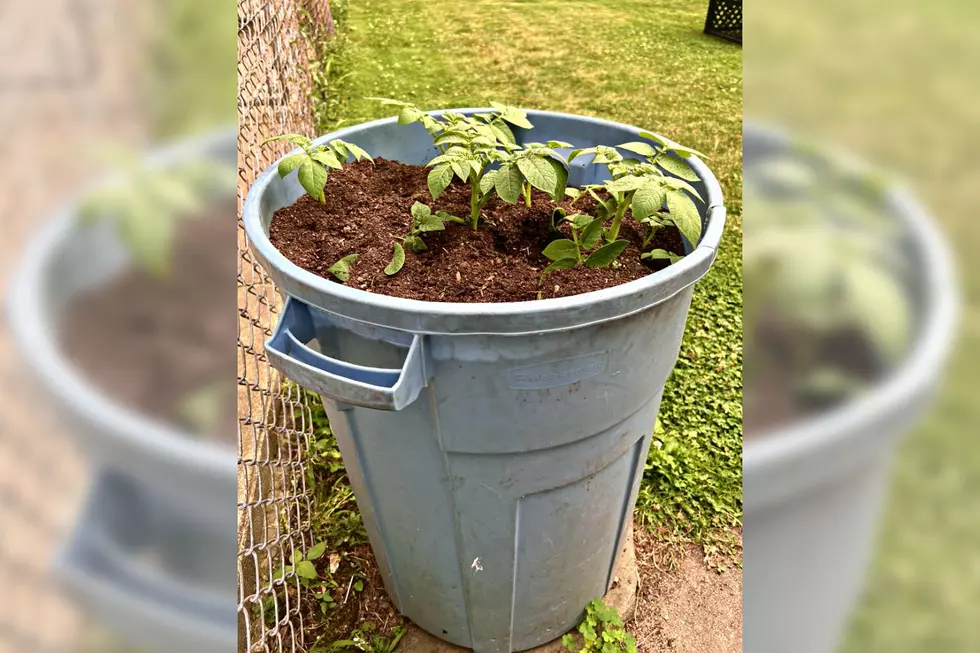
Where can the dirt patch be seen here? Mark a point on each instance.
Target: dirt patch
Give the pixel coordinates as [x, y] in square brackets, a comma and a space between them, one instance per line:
[368, 206]
[352, 608]
[685, 606]
[160, 345]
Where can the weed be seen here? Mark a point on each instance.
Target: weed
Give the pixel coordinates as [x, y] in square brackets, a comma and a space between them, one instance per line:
[366, 638]
[601, 632]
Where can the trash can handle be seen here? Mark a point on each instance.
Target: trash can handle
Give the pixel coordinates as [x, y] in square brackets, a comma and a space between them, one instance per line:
[370, 387]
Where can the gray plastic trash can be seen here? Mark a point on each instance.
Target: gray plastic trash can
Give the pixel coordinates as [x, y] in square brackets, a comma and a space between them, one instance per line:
[495, 450]
[813, 490]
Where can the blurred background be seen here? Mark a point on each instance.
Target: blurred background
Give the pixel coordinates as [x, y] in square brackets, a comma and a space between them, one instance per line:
[89, 88]
[893, 84]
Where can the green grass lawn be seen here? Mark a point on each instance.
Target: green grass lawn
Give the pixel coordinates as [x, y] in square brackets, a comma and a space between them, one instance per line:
[642, 63]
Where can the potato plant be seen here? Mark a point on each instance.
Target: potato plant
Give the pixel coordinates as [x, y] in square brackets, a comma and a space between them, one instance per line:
[643, 187]
[470, 145]
[586, 231]
[314, 160]
[423, 221]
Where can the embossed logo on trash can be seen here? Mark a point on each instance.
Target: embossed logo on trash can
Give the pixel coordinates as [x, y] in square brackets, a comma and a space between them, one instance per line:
[558, 373]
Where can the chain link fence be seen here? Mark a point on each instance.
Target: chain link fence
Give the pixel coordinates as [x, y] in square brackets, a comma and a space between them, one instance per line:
[274, 418]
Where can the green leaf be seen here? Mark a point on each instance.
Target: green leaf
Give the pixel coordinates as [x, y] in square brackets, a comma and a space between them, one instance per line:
[647, 200]
[625, 184]
[430, 222]
[573, 193]
[539, 173]
[328, 159]
[684, 214]
[513, 115]
[643, 149]
[568, 641]
[357, 151]
[579, 220]
[562, 175]
[559, 144]
[305, 569]
[574, 154]
[559, 249]
[508, 183]
[607, 205]
[316, 551]
[339, 148]
[420, 211]
[502, 131]
[680, 184]
[397, 260]
[591, 234]
[290, 163]
[439, 179]
[359, 586]
[674, 146]
[605, 255]
[450, 139]
[606, 154]
[661, 254]
[408, 115]
[415, 244]
[560, 264]
[487, 181]
[341, 269]
[678, 167]
[313, 177]
[461, 168]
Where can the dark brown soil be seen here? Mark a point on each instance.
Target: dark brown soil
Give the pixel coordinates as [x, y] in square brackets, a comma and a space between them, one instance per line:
[368, 206]
[153, 344]
[351, 608]
[785, 355]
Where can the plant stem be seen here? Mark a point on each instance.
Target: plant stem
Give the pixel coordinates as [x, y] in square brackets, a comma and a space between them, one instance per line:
[651, 232]
[527, 193]
[475, 203]
[613, 232]
[578, 248]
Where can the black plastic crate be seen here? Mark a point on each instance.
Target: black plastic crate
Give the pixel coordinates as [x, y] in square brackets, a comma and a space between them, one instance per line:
[725, 19]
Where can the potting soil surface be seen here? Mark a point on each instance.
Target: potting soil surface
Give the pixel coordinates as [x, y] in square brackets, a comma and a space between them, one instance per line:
[368, 207]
